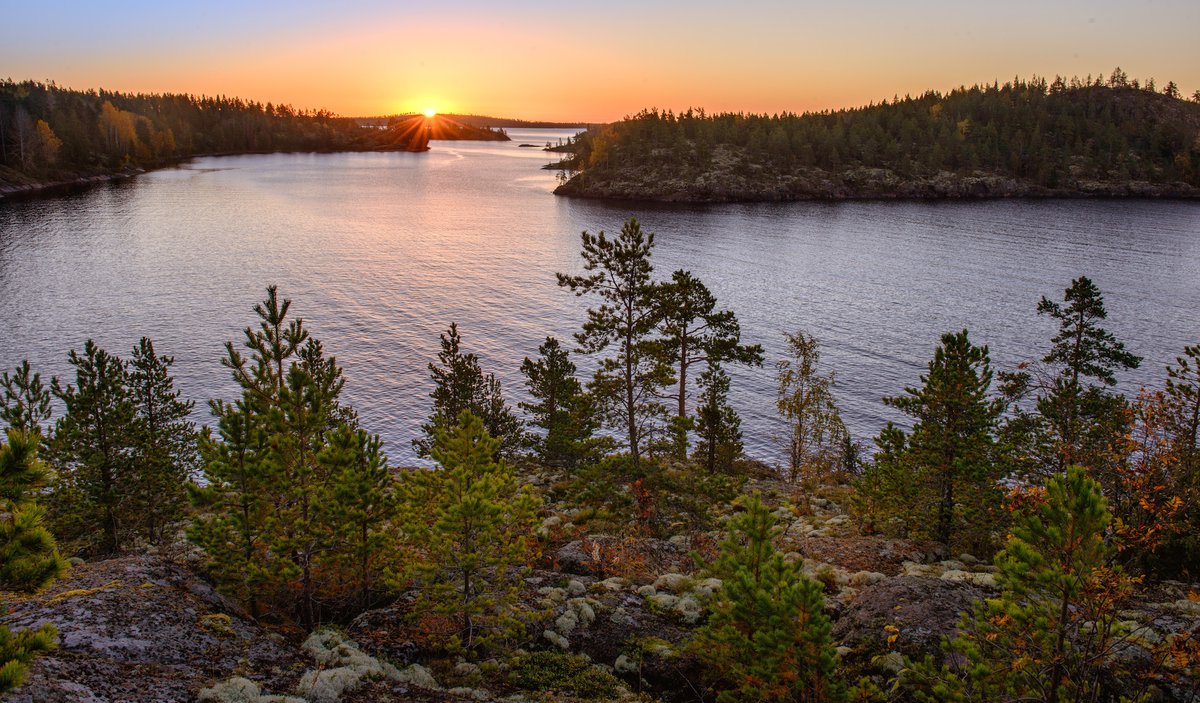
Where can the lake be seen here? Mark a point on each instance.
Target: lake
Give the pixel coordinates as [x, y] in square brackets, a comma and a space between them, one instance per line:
[380, 252]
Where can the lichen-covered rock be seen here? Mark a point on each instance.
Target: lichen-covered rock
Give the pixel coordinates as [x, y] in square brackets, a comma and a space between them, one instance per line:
[675, 583]
[140, 628]
[918, 611]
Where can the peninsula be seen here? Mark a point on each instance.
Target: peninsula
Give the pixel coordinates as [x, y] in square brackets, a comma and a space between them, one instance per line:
[53, 137]
[1078, 138]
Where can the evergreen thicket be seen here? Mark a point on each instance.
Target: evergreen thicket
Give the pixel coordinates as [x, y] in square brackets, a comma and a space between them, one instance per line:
[295, 496]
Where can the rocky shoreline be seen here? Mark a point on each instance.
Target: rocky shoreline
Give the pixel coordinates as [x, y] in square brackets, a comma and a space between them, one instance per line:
[667, 184]
[12, 190]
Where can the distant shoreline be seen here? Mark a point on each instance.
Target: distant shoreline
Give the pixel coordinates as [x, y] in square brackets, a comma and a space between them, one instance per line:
[38, 189]
[880, 186]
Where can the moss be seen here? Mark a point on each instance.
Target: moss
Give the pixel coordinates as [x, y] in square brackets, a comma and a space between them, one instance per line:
[218, 624]
[85, 592]
[564, 673]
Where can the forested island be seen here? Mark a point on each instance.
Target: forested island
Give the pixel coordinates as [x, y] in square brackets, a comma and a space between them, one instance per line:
[55, 136]
[1030, 536]
[1110, 137]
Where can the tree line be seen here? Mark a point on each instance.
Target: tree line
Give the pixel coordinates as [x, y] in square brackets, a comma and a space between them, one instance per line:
[1049, 133]
[301, 517]
[50, 133]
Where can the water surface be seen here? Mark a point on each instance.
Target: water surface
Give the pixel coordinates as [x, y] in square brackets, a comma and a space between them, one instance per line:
[381, 251]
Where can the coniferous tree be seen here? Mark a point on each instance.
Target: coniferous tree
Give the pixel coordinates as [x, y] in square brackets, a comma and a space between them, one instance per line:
[562, 409]
[297, 428]
[805, 401]
[18, 650]
[166, 450]
[627, 384]
[25, 401]
[459, 384]
[275, 518]
[94, 450]
[885, 492]
[1055, 627]
[951, 448]
[474, 524]
[768, 638]
[245, 477]
[29, 558]
[363, 506]
[1077, 418]
[694, 332]
[236, 504]
[717, 424]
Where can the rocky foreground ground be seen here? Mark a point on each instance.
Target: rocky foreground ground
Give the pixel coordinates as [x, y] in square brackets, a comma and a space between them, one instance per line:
[151, 628]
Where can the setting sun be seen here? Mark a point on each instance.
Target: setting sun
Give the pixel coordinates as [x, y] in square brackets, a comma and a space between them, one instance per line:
[430, 112]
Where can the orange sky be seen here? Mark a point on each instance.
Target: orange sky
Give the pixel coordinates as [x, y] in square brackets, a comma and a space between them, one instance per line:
[590, 63]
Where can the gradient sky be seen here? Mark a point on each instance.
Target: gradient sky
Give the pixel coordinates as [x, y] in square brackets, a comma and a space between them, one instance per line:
[594, 61]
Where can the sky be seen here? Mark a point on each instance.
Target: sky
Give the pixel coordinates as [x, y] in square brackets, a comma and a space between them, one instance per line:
[588, 62]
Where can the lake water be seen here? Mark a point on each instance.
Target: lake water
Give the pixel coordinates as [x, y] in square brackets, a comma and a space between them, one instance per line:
[381, 251]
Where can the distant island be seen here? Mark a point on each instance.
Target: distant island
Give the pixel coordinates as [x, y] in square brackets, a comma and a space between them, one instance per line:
[55, 137]
[487, 122]
[1077, 138]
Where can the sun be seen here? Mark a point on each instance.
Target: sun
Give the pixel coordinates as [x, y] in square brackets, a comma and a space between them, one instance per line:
[429, 112]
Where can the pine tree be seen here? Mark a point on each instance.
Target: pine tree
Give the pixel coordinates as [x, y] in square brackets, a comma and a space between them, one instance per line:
[627, 384]
[94, 449]
[805, 401]
[166, 450]
[768, 638]
[1052, 633]
[29, 558]
[717, 424]
[281, 495]
[950, 449]
[363, 507]
[694, 332]
[297, 429]
[235, 504]
[561, 409]
[25, 402]
[459, 384]
[474, 524]
[1081, 418]
[885, 492]
[237, 523]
